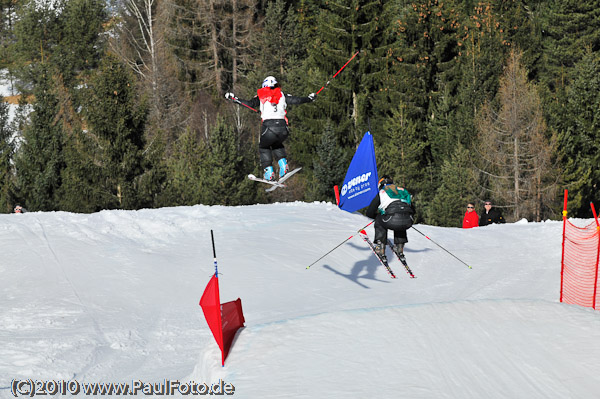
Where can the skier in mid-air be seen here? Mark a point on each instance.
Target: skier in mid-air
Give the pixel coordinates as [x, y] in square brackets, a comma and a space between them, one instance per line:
[392, 209]
[274, 130]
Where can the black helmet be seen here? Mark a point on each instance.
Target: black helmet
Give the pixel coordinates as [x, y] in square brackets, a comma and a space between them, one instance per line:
[384, 181]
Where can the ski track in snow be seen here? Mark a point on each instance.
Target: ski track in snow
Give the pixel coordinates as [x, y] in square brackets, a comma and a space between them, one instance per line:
[113, 296]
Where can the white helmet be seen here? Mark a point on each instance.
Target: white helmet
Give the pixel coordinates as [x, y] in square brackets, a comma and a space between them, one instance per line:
[269, 81]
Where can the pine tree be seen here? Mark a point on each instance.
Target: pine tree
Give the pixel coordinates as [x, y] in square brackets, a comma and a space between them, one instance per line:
[224, 175]
[483, 47]
[40, 159]
[440, 127]
[400, 154]
[8, 10]
[422, 70]
[329, 165]
[80, 44]
[579, 146]
[7, 175]
[116, 119]
[67, 45]
[82, 189]
[458, 187]
[345, 28]
[278, 46]
[185, 171]
[37, 31]
[570, 28]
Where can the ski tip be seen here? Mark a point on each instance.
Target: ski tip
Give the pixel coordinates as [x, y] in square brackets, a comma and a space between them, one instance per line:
[251, 176]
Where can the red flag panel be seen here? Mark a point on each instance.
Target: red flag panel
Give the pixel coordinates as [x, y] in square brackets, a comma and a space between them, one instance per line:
[211, 306]
[233, 319]
[224, 320]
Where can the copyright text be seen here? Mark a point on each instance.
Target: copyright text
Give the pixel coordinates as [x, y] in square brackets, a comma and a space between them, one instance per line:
[31, 388]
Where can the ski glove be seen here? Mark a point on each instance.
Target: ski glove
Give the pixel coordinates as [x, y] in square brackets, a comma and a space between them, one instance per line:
[312, 96]
[230, 96]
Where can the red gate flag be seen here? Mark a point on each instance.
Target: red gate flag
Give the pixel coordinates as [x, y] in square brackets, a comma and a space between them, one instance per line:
[211, 306]
[223, 320]
[232, 319]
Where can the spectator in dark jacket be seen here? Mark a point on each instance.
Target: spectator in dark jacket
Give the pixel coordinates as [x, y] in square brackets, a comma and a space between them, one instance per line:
[490, 215]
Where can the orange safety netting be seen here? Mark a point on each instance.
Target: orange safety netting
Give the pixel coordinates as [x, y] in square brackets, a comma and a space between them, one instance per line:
[579, 269]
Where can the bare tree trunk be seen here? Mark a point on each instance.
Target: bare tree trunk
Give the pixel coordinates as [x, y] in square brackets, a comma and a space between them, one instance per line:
[516, 175]
[538, 202]
[143, 58]
[514, 154]
[234, 52]
[214, 45]
[205, 120]
[355, 116]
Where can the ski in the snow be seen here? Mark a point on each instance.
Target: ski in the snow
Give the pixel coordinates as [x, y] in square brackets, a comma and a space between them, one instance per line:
[274, 183]
[402, 259]
[365, 237]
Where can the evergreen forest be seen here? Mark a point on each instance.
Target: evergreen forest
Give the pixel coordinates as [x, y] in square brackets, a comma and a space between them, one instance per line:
[121, 103]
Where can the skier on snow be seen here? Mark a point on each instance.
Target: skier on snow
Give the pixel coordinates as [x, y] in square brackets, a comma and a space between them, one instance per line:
[392, 209]
[274, 129]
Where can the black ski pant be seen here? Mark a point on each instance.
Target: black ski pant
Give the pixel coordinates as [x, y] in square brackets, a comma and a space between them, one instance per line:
[272, 135]
[397, 222]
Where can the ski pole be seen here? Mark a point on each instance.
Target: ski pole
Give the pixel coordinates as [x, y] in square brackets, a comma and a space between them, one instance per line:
[237, 101]
[441, 247]
[342, 243]
[336, 75]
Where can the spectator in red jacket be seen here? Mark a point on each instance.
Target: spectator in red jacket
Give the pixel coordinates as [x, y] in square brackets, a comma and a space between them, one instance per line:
[471, 218]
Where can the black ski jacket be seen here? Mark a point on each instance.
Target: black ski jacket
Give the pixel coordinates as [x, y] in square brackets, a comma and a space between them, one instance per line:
[493, 216]
[394, 207]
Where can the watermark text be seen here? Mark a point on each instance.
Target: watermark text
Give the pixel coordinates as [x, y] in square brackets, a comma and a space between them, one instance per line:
[31, 388]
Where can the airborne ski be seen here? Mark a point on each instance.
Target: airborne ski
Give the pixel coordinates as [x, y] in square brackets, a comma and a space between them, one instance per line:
[402, 259]
[365, 237]
[274, 183]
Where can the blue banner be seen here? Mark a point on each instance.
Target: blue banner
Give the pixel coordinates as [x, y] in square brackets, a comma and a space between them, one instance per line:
[360, 183]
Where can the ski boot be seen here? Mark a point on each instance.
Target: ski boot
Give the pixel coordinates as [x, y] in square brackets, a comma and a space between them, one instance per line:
[380, 250]
[283, 167]
[269, 173]
[399, 250]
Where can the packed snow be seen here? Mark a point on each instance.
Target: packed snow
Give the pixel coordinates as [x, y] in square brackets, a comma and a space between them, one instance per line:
[113, 297]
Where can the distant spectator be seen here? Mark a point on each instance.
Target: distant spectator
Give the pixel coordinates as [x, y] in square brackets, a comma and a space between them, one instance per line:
[20, 209]
[490, 215]
[471, 218]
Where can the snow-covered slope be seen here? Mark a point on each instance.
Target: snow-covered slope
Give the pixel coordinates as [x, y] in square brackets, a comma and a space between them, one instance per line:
[113, 297]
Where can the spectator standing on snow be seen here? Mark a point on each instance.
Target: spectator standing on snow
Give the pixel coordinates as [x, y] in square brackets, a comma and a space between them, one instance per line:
[490, 215]
[471, 218]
